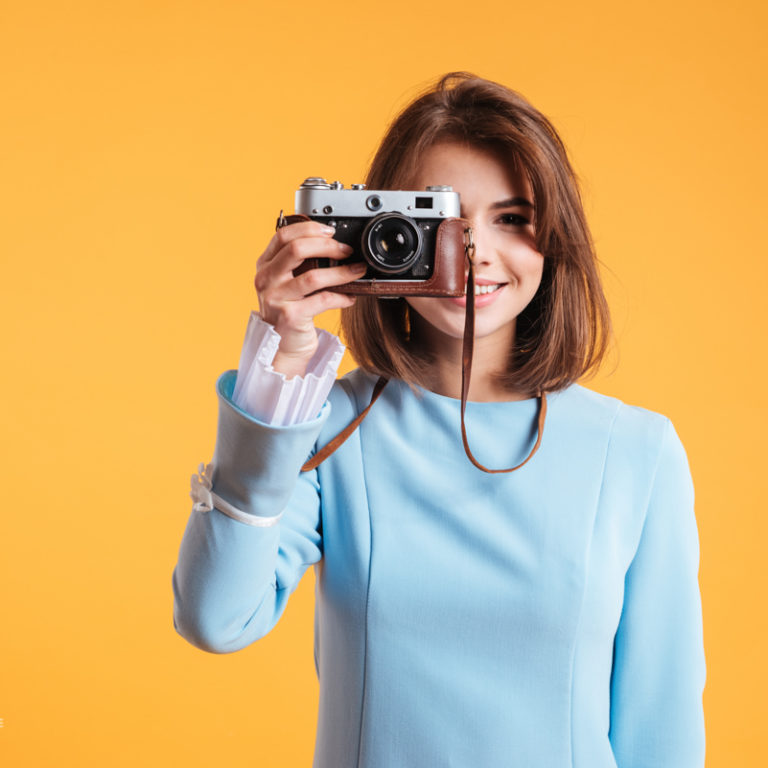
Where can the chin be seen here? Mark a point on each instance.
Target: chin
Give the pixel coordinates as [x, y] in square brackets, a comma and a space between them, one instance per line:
[448, 321]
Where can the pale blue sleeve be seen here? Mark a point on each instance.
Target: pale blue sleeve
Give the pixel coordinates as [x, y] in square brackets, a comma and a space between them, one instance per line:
[657, 683]
[233, 578]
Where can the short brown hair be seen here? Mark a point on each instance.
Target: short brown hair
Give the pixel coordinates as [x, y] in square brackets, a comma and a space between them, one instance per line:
[563, 333]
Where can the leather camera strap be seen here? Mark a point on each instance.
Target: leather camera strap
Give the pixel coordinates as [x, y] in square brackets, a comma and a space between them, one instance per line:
[466, 369]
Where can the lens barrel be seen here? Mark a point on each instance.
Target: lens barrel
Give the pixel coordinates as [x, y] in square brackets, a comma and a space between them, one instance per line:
[392, 243]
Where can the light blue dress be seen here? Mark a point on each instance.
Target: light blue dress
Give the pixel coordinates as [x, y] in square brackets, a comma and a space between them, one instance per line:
[546, 618]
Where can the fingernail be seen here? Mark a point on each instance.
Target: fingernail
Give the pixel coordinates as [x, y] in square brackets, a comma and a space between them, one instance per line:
[328, 230]
[346, 248]
[359, 267]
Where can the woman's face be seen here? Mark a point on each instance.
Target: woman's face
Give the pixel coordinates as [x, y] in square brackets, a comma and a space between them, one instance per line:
[498, 202]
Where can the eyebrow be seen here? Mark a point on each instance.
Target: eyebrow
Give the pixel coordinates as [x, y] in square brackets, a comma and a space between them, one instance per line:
[512, 202]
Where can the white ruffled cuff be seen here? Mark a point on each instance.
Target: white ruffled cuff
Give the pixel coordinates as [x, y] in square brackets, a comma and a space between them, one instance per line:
[267, 394]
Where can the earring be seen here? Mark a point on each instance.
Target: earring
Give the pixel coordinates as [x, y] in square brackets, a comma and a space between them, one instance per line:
[407, 321]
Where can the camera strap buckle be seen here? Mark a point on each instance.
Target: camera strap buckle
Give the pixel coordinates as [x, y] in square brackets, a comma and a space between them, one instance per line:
[469, 245]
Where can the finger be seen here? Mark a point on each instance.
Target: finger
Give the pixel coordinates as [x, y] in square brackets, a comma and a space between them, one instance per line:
[276, 292]
[315, 280]
[291, 232]
[279, 271]
[321, 302]
[294, 253]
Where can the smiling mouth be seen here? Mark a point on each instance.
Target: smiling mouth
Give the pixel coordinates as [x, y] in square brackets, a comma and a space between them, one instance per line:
[481, 290]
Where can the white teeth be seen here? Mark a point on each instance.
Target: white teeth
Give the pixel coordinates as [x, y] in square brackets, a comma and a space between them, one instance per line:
[480, 290]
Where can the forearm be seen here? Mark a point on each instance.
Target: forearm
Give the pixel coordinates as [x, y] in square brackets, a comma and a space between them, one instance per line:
[252, 534]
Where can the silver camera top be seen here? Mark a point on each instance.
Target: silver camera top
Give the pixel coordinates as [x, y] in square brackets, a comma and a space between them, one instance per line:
[317, 197]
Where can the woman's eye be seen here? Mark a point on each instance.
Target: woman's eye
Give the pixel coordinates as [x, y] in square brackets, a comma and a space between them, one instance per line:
[514, 219]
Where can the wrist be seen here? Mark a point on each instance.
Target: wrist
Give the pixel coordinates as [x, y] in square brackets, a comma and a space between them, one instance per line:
[290, 364]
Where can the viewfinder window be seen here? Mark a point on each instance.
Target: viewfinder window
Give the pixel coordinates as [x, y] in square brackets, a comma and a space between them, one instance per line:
[423, 202]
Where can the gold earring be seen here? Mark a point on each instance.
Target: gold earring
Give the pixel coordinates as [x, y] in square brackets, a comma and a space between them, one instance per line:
[407, 320]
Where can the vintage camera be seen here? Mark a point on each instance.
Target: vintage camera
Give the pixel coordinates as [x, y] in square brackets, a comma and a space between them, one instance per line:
[397, 233]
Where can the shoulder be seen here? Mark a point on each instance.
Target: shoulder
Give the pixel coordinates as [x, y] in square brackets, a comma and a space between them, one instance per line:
[349, 395]
[630, 429]
[639, 442]
[353, 390]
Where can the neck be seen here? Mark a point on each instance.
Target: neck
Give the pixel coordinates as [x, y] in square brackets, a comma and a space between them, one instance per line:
[489, 359]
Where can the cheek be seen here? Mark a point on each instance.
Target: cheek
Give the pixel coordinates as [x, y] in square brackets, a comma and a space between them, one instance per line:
[527, 266]
[537, 269]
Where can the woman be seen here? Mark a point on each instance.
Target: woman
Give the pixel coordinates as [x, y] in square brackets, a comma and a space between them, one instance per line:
[549, 616]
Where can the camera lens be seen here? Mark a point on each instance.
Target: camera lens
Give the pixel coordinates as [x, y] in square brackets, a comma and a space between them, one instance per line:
[391, 243]
[373, 203]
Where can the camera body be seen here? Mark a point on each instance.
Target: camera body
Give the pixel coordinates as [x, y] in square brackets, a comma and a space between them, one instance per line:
[395, 232]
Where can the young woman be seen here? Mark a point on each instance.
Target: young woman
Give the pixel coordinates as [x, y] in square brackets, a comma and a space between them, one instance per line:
[548, 616]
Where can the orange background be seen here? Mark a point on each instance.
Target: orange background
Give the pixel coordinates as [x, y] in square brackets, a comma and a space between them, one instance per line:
[145, 149]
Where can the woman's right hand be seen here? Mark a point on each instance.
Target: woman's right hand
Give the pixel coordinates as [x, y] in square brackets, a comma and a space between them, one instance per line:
[290, 303]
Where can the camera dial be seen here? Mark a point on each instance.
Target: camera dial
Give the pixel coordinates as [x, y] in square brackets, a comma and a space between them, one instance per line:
[315, 182]
[373, 203]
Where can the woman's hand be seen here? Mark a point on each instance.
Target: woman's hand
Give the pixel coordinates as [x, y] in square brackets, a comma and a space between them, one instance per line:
[290, 303]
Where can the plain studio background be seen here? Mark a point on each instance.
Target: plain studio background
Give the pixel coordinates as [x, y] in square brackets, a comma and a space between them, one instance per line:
[145, 150]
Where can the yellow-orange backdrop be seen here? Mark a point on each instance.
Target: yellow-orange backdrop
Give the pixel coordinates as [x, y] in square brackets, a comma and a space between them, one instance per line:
[145, 148]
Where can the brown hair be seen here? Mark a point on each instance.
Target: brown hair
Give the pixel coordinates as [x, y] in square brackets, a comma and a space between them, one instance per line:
[563, 333]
